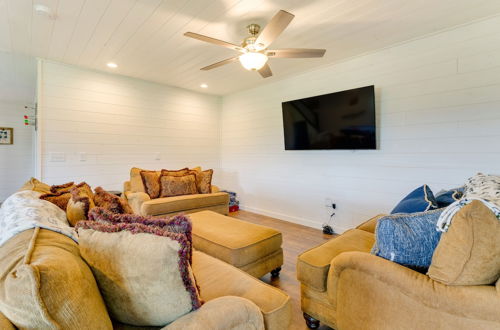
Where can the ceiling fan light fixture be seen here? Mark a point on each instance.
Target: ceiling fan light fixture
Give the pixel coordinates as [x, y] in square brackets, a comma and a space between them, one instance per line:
[253, 61]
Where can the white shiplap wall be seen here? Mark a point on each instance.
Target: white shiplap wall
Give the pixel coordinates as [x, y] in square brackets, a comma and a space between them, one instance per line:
[17, 89]
[438, 108]
[117, 122]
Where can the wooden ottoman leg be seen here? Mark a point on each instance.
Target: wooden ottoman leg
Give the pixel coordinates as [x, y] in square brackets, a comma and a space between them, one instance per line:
[275, 272]
[311, 322]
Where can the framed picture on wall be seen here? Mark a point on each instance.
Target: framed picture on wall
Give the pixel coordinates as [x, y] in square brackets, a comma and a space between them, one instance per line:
[6, 135]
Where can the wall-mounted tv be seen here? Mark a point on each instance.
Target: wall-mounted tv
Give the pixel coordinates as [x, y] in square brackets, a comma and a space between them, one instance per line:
[341, 120]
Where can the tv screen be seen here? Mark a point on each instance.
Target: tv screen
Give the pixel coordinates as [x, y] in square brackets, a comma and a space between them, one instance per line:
[342, 120]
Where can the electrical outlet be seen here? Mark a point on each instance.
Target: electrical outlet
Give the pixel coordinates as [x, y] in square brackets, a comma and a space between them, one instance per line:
[329, 203]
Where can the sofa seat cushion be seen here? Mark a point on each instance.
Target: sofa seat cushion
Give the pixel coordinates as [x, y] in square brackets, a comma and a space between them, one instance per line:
[236, 242]
[167, 205]
[45, 284]
[217, 279]
[314, 264]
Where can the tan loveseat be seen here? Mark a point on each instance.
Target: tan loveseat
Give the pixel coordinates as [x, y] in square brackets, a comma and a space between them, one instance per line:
[44, 284]
[345, 287]
[141, 203]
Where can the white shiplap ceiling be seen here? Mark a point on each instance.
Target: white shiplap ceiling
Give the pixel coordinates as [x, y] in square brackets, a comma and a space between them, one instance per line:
[145, 37]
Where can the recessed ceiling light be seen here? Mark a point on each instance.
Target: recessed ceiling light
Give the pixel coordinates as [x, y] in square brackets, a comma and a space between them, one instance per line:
[112, 65]
[204, 86]
[44, 10]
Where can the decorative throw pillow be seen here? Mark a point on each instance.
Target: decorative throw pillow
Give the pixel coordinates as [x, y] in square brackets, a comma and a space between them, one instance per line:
[178, 185]
[419, 200]
[181, 172]
[447, 197]
[204, 181]
[151, 181]
[80, 203]
[111, 202]
[469, 252]
[177, 224]
[45, 284]
[408, 239]
[62, 188]
[36, 185]
[60, 199]
[143, 272]
[485, 187]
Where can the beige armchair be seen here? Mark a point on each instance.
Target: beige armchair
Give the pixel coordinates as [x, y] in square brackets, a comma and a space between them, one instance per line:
[345, 287]
[141, 203]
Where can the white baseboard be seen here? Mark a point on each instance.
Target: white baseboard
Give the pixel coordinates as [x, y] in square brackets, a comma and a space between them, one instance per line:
[289, 218]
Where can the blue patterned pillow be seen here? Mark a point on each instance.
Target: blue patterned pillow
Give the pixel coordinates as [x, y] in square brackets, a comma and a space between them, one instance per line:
[408, 239]
[419, 200]
[446, 197]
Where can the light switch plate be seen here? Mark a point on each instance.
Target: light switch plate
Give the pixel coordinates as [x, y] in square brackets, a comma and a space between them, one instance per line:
[157, 156]
[83, 156]
[57, 157]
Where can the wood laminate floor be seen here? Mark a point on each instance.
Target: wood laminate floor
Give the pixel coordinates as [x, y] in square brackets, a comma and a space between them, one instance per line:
[296, 239]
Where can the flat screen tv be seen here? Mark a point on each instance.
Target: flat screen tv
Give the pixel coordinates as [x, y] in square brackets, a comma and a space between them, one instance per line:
[342, 120]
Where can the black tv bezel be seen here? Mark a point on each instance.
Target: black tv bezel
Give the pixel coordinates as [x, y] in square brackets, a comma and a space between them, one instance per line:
[349, 149]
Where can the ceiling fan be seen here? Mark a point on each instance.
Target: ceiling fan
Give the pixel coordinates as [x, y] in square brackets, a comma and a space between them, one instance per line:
[254, 48]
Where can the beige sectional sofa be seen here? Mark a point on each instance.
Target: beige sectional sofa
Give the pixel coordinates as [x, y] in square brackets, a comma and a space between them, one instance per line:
[346, 287]
[141, 203]
[39, 285]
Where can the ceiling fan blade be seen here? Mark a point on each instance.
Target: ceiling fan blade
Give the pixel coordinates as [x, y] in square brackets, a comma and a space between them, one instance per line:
[295, 53]
[221, 63]
[265, 71]
[273, 29]
[213, 41]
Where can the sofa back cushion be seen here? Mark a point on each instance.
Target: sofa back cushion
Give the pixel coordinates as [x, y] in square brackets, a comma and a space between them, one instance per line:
[35, 185]
[469, 252]
[45, 284]
[136, 184]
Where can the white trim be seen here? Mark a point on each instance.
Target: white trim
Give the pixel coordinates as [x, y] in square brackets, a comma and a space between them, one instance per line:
[284, 217]
[38, 135]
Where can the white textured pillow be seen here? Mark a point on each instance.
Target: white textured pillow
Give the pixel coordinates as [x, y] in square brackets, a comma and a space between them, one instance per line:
[25, 210]
[483, 186]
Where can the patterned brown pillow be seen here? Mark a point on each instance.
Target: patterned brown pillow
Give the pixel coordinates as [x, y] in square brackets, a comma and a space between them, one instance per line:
[151, 181]
[178, 185]
[80, 203]
[204, 181]
[59, 199]
[111, 202]
[181, 172]
[66, 187]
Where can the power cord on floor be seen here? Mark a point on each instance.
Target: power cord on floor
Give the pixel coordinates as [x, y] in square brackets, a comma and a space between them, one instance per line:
[327, 229]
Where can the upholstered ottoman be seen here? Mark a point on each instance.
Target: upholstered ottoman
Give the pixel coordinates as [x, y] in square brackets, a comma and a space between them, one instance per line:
[252, 248]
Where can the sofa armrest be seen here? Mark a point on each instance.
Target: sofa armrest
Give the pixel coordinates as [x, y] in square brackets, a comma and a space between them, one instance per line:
[393, 289]
[5, 324]
[217, 279]
[313, 265]
[222, 313]
[136, 199]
